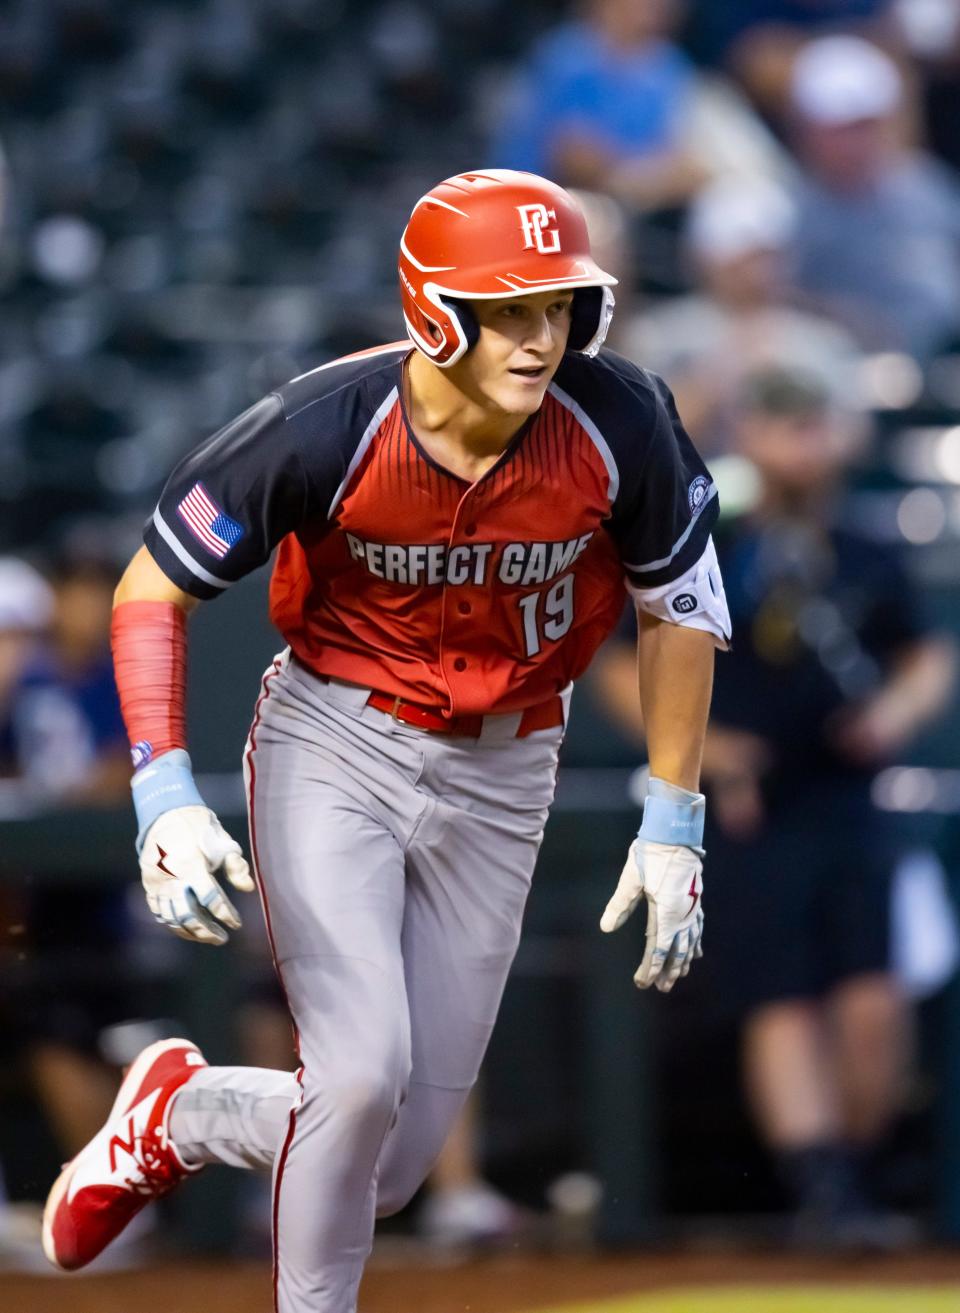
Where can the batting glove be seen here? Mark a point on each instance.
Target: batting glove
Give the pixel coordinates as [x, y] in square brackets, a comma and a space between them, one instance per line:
[664, 866]
[182, 847]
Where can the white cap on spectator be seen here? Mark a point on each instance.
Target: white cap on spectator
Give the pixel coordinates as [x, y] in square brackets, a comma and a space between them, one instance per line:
[735, 215]
[26, 599]
[843, 79]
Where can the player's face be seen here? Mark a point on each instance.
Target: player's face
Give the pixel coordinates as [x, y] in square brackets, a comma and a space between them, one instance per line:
[522, 341]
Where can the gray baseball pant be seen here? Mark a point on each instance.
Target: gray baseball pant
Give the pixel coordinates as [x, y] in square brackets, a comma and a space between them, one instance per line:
[394, 866]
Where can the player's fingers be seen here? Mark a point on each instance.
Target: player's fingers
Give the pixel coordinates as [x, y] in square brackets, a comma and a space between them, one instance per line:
[616, 912]
[654, 956]
[201, 924]
[688, 963]
[191, 917]
[165, 910]
[221, 850]
[238, 872]
[649, 970]
[694, 951]
[625, 897]
[165, 916]
[180, 910]
[675, 961]
[213, 900]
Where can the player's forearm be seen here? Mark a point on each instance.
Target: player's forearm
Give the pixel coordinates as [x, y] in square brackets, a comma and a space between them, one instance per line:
[675, 675]
[148, 638]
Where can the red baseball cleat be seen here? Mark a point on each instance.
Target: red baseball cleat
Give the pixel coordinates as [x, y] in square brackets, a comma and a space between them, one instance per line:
[126, 1165]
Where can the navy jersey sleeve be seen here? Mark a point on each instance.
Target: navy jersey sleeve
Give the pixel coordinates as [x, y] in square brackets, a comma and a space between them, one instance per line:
[666, 504]
[230, 501]
[275, 467]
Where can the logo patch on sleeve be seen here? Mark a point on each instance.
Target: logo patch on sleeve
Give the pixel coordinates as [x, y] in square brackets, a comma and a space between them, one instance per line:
[685, 603]
[697, 491]
[211, 526]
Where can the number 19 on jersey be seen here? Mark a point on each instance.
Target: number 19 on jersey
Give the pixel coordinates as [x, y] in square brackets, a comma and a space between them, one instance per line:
[549, 614]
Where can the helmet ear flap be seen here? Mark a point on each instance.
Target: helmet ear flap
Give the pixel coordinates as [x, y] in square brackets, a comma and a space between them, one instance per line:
[589, 319]
[461, 312]
[584, 317]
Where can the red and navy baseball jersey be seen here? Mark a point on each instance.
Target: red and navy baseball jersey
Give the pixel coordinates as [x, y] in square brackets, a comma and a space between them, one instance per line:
[393, 573]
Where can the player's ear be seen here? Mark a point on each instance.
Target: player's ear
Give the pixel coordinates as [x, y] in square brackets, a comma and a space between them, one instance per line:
[462, 312]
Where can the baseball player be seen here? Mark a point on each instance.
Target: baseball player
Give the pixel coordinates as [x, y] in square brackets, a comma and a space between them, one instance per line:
[455, 518]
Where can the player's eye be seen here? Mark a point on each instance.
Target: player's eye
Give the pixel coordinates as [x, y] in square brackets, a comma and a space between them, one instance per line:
[560, 307]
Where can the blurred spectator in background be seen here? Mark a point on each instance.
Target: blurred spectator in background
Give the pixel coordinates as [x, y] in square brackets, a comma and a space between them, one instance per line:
[26, 610]
[609, 102]
[65, 974]
[757, 40]
[603, 103]
[831, 674]
[931, 30]
[877, 242]
[26, 607]
[738, 319]
[71, 744]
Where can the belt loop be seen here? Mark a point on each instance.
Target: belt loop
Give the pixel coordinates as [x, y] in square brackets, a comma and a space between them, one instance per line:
[498, 728]
[395, 710]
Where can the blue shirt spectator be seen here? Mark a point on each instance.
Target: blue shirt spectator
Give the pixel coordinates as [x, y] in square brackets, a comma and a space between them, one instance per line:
[607, 103]
[26, 611]
[65, 721]
[630, 101]
[60, 721]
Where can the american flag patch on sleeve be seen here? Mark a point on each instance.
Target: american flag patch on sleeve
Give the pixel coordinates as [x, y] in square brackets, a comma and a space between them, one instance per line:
[208, 523]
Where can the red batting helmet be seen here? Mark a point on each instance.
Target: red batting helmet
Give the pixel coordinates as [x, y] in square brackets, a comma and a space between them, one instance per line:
[496, 233]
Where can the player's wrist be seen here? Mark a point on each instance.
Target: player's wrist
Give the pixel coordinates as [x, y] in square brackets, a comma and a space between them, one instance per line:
[160, 786]
[672, 815]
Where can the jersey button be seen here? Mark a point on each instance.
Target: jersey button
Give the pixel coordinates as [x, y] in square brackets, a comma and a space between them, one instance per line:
[460, 663]
[469, 530]
[464, 608]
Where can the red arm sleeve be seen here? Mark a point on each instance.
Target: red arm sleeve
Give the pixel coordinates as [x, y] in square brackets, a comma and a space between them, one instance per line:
[149, 641]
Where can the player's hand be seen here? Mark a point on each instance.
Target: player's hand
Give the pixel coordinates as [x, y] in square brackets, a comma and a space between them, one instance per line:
[182, 853]
[669, 877]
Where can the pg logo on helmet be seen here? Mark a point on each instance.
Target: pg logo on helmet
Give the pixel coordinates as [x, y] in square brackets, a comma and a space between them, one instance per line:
[537, 232]
[491, 234]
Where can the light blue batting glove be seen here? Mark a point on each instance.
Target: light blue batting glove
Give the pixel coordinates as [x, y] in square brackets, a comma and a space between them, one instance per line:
[182, 846]
[665, 866]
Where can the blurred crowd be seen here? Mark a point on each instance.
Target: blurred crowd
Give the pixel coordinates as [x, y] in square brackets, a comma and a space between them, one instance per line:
[201, 198]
